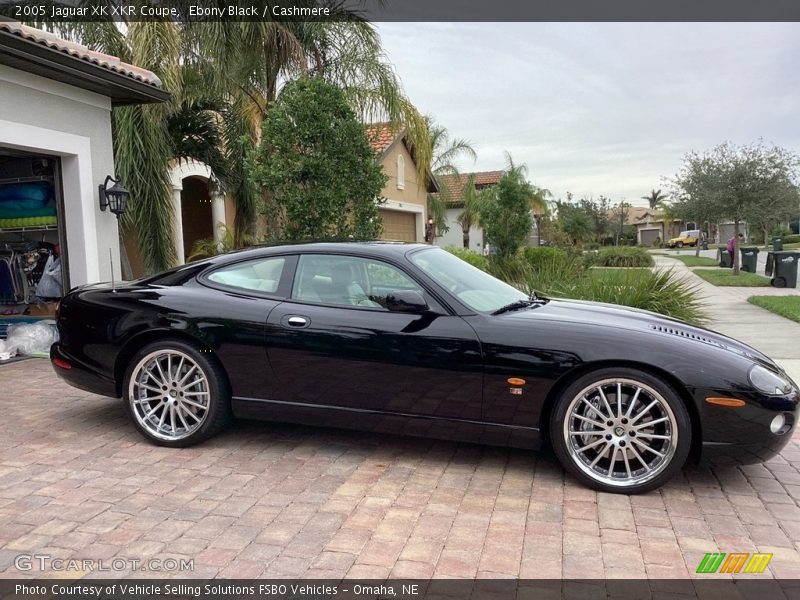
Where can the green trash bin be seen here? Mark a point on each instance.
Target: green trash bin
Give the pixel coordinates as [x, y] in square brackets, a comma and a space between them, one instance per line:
[749, 259]
[785, 269]
[724, 257]
[777, 243]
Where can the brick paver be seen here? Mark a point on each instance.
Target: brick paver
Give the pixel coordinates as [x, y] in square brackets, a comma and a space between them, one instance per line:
[273, 500]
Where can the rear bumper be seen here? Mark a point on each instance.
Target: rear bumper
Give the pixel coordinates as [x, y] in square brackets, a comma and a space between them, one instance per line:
[78, 375]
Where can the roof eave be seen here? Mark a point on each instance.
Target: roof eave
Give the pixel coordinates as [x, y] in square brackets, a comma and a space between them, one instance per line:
[27, 55]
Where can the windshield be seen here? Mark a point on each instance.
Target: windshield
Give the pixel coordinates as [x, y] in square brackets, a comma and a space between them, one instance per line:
[478, 290]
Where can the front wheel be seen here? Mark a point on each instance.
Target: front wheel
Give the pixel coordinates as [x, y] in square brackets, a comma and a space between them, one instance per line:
[621, 430]
[176, 395]
[679, 245]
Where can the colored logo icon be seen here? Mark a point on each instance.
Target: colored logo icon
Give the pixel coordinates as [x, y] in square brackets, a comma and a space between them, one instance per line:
[735, 562]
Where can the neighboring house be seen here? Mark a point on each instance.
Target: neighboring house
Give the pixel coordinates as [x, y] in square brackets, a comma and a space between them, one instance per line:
[651, 225]
[56, 98]
[455, 186]
[404, 213]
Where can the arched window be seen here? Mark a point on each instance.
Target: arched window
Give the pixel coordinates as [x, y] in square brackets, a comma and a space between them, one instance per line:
[401, 172]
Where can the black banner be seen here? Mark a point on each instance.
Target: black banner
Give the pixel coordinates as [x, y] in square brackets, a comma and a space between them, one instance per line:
[403, 10]
[481, 589]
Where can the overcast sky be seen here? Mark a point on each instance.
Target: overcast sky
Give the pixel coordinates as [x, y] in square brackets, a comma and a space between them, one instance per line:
[601, 108]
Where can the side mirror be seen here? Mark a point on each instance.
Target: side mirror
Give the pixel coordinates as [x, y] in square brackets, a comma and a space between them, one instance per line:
[406, 301]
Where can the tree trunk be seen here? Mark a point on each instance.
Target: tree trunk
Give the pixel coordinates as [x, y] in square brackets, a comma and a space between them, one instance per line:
[465, 238]
[735, 256]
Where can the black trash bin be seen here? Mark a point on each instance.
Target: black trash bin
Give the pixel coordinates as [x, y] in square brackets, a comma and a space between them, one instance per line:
[785, 269]
[777, 243]
[770, 264]
[749, 259]
[704, 244]
[724, 257]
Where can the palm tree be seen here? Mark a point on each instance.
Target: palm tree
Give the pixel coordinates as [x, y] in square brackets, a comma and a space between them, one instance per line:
[655, 199]
[474, 202]
[445, 153]
[229, 73]
[264, 55]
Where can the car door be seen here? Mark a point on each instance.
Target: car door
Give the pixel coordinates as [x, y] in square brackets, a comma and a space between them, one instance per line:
[335, 344]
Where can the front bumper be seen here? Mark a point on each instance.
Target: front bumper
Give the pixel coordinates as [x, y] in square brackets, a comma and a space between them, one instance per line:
[743, 435]
[78, 375]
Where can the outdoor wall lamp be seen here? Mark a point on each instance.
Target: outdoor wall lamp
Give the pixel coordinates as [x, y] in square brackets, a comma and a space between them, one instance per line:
[114, 198]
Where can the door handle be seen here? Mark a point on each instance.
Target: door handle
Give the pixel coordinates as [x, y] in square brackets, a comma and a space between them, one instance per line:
[297, 321]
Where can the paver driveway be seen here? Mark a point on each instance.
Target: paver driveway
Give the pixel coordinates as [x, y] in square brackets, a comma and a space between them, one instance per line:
[277, 500]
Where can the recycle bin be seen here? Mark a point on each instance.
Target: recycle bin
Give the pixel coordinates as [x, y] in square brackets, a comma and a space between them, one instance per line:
[724, 257]
[749, 259]
[777, 243]
[785, 269]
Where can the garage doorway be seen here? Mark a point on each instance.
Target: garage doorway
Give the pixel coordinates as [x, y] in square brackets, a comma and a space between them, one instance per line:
[399, 225]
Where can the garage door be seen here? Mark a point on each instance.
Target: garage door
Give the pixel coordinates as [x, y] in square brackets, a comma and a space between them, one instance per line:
[649, 236]
[398, 225]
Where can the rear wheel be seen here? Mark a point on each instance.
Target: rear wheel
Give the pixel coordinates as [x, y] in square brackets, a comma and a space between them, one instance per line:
[621, 430]
[176, 395]
[679, 245]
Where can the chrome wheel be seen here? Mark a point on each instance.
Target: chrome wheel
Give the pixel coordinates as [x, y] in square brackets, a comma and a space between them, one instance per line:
[169, 394]
[620, 432]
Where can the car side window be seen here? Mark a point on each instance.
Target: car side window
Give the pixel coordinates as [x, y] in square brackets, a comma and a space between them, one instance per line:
[348, 281]
[262, 275]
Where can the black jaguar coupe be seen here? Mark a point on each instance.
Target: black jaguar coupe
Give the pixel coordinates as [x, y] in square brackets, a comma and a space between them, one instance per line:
[407, 338]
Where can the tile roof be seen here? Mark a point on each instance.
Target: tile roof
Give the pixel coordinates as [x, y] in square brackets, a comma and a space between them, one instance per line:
[106, 61]
[381, 136]
[454, 184]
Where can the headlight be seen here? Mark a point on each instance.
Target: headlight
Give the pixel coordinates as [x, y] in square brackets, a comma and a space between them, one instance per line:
[768, 382]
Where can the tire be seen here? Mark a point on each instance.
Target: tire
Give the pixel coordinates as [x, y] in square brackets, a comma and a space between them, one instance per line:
[679, 245]
[193, 402]
[779, 282]
[576, 430]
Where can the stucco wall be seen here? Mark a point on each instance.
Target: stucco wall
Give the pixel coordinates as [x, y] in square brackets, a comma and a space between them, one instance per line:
[413, 197]
[455, 236]
[40, 115]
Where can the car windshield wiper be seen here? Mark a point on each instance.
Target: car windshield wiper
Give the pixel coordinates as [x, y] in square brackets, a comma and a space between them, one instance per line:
[516, 305]
[532, 300]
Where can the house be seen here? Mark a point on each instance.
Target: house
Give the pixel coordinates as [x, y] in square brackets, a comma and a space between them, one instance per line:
[652, 225]
[453, 187]
[202, 211]
[56, 150]
[404, 212]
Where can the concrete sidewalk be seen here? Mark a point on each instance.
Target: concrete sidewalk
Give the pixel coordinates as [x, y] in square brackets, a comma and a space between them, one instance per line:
[775, 336]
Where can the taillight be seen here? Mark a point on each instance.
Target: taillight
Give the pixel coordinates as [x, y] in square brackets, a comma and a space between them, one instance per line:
[61, 363]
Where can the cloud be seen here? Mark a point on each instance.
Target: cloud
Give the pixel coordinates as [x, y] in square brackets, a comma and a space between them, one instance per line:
[601, 108]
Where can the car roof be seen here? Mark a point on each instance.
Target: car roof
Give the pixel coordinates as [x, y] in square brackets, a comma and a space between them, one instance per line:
[379, 249]
[372, 248]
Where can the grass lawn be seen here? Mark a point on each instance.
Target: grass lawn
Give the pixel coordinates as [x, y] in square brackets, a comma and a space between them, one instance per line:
[795, 246]
[727, 278]
[697, 261]
[785, 306]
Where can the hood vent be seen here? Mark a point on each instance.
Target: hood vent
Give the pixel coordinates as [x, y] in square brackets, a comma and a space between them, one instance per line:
[685, 334]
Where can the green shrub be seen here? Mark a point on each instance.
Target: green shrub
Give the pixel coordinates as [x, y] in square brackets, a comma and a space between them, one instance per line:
[470, 256]
[781, 231]
[621, 256]
[791, 239]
